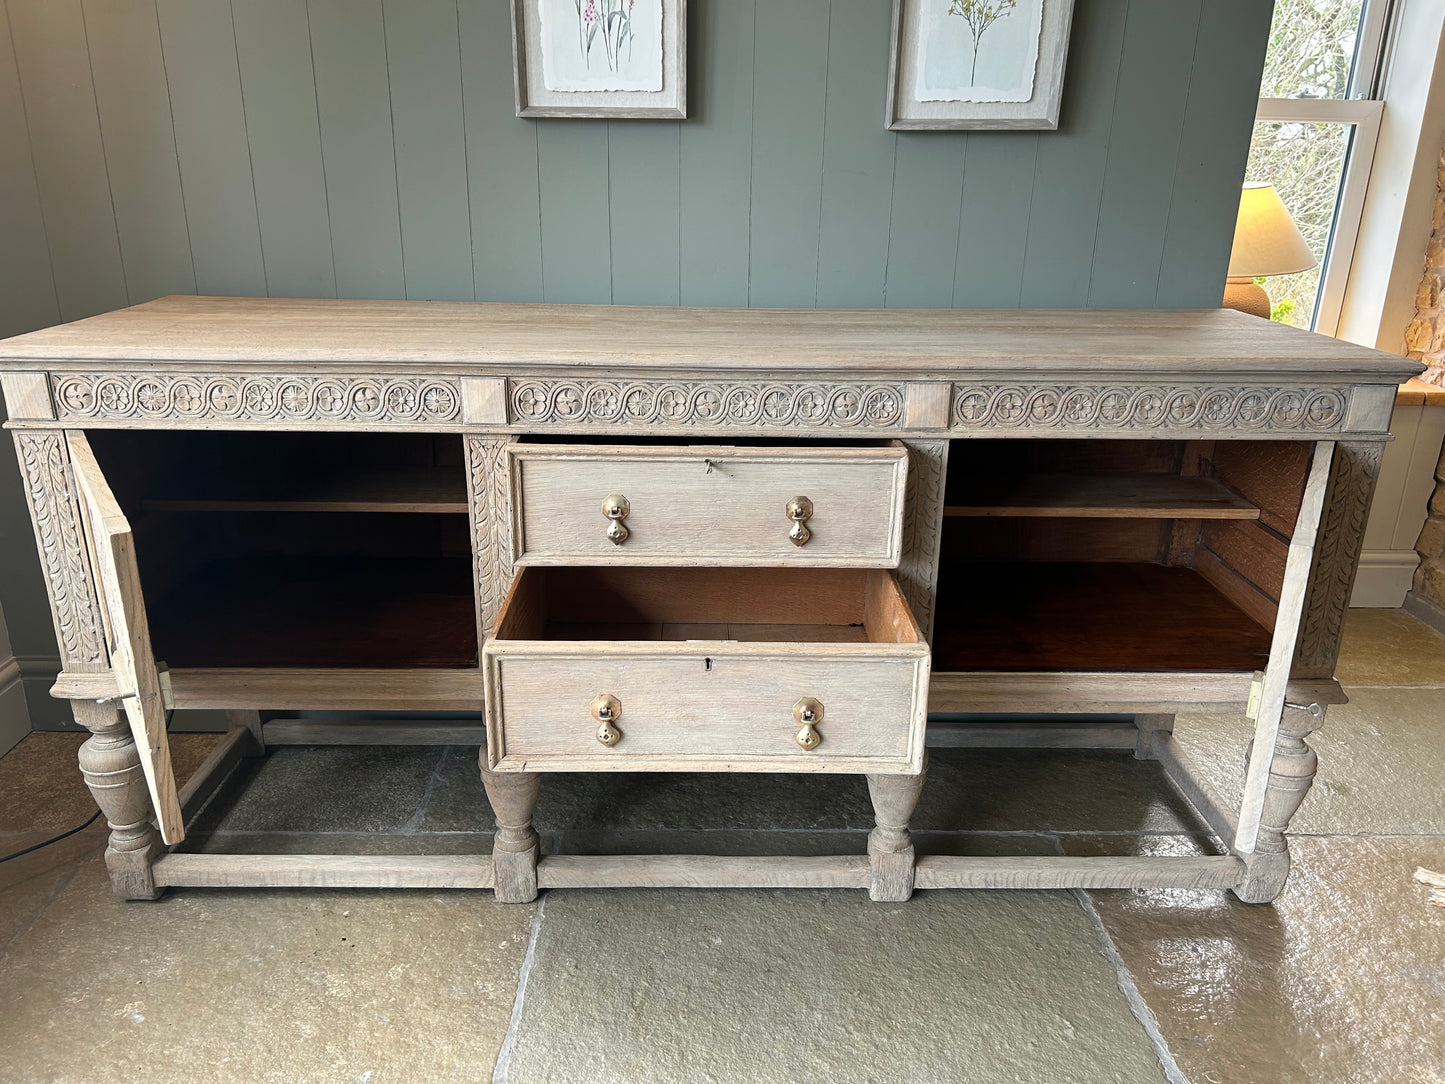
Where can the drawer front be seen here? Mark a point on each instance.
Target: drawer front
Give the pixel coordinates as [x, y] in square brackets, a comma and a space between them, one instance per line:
[707, 506]
[705, 707]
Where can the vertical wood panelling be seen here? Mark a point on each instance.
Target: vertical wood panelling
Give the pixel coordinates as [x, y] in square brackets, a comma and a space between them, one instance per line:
[423, 51]
[1143, 153]
[716, 149]
[998, 187]
[644, 170]
[923, 237]
[353, 102]
[1218, 117]
[54, 66]
[140, 147]
[27, 288]
[210, 124]
[576, 234]
[858, 156]
[501, 162]
[790, 77]
[1069, 176]
[278, 91]
[369, 148]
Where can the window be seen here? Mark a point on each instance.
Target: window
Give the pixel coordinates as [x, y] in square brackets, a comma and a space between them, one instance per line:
[1314, 139]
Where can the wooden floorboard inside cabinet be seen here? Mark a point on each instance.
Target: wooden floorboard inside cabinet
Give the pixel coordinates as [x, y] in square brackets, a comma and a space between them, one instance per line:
[300, 612]
[1091, 616]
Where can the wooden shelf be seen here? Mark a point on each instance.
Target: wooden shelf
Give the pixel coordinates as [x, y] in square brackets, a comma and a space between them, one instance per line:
[300, 612]
[1089, 616]
[1106, 496]
[362, 489]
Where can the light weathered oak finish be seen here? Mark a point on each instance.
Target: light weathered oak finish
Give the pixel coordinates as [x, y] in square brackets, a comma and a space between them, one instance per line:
[111, 766]
[1232, 390]
[709, 704]
[707, 505]
[112, 550]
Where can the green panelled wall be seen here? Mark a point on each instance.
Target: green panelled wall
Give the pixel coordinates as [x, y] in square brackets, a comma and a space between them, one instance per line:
[368, 148]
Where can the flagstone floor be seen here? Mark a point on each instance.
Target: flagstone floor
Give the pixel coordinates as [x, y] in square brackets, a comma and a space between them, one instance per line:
[1342, 980]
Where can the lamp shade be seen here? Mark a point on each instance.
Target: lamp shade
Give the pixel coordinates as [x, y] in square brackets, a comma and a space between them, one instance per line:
[1266, 240]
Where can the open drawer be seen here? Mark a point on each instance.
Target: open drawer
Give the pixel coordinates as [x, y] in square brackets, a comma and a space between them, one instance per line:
[707, 505]
[706, 669]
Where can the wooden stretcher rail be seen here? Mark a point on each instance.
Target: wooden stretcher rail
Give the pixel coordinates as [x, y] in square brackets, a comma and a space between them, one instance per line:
[238, 744]
[354, 732]
[946, 871]
[701, 871]
[323, 871]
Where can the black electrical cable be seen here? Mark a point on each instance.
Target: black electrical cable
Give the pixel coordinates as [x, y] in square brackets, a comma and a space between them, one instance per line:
[54, 839]
[78, 828]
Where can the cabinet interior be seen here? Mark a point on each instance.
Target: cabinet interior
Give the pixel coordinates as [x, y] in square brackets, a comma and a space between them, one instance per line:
[780, 605]
[299, 549]
[1091, 555]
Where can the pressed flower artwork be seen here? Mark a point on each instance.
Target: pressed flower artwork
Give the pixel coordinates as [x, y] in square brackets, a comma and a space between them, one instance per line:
[601, 45]
[978, 50]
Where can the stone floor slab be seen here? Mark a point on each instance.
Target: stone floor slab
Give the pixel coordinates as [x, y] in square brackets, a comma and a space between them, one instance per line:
[1382, 762]
[286, 986]
[41, 788]
[1390, 647]
[753, 986]
[1341, 981]
[340, 788]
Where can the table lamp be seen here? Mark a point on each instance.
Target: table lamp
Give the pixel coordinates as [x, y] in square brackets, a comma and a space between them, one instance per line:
[1266, 242]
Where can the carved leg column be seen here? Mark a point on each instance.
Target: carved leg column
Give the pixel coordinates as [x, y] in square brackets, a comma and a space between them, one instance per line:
[890, 844]
[515, 848]
[111, 766]
[1150, 725]
[1290, 774]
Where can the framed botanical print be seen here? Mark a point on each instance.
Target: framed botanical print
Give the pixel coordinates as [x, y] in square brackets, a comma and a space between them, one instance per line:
[978, 63]
[600, 58]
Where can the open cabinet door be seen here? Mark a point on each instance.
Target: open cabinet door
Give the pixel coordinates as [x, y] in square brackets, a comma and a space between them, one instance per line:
[127, 634]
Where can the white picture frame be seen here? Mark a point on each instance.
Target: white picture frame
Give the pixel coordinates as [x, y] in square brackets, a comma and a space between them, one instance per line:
[597, 83]
[934, 76]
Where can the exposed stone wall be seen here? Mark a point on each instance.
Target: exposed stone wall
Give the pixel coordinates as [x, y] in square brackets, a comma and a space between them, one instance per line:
[1430, 576]
[1425, 339]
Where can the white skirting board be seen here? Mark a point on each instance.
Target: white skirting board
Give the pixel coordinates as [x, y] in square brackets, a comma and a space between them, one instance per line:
[1384, 578]
[14, 716]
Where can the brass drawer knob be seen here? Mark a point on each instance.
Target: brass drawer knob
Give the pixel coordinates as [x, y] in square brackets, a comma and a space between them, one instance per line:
[607, 709]
[616, 507]
[808, 713]
[800, 510]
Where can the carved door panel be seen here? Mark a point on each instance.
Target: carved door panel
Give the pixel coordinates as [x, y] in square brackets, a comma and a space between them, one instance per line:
[132, 661]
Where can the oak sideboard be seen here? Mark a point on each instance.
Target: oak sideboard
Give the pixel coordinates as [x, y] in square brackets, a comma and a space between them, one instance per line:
[648, 539]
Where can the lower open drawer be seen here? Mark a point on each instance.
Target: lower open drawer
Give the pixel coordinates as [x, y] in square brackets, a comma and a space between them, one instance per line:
[706, 669]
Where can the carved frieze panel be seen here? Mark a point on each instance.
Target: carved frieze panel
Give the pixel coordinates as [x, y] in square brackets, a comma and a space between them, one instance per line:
[184, 397]
[1095, 407]
[745, 404]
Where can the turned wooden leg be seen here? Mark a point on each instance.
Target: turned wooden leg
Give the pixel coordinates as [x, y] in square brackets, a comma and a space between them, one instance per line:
[514, 849]
[1290, 774]
[890, 844]
[1148, 726]
[110, 763]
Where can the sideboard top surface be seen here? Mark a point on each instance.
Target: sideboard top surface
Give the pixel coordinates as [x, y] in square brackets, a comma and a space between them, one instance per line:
[469, 336]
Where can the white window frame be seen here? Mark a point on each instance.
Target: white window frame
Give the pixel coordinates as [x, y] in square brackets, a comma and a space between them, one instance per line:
[1361, 109]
